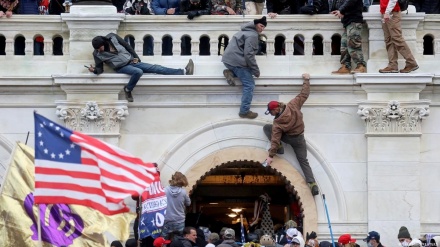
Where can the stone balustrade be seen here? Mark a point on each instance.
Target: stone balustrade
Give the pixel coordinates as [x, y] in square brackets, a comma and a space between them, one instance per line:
[313, 39]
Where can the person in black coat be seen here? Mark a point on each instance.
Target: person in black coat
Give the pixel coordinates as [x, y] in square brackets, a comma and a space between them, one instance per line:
[195, 8]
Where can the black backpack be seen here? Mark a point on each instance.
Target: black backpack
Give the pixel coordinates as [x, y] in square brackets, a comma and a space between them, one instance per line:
[403, 4]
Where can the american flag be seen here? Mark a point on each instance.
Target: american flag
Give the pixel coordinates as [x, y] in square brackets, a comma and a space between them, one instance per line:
[73, 168]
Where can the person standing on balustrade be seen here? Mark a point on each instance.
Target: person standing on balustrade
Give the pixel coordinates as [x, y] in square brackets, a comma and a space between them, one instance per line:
[120, 56]
[226, 7]
[350, 13]
[239, 59]
[394, 41]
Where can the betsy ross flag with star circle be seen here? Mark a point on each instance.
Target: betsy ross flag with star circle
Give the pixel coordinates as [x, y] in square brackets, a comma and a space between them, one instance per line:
[73, 168]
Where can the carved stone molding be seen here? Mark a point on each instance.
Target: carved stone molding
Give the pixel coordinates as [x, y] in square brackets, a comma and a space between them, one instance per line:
[92, 118]
[395, 118]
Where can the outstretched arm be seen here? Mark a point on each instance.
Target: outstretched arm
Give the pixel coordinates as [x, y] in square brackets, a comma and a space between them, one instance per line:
[305, 92]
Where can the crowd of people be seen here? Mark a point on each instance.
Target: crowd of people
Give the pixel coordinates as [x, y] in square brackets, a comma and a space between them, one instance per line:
[194, 8]
[288, 235]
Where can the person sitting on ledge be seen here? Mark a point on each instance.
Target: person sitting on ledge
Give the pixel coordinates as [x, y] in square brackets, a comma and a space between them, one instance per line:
[120, 56]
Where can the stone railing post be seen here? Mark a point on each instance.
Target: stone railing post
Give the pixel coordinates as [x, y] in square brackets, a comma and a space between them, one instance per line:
[86, 22]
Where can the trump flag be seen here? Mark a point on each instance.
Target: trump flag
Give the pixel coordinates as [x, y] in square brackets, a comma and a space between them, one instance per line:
[73, 168]
[154, 205]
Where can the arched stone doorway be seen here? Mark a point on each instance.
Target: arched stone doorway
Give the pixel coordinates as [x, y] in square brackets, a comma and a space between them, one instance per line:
[216, 143]
[281, 167]
[236, 185]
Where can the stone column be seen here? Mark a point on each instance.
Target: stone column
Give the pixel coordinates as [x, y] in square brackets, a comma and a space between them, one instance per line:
[92, 106]
[86, 22]
[393, 115]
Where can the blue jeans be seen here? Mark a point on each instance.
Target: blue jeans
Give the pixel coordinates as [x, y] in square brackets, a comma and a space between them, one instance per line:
[170, 227]
[246, 78]
[136, 70]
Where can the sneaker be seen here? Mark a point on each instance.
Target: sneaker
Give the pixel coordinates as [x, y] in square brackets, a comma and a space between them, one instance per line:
[314, 188]
[342, 70]
[189, 67]
[388, 70]
[128, 95]
[360, 68]
[280, 149]
[229, 77]
[250, 115]
[408, 69]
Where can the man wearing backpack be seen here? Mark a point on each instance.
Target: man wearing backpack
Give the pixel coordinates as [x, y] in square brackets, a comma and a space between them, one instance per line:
[394, 41]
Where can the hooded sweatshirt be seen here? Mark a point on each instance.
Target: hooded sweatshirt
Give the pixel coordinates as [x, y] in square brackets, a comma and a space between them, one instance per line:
[177, 199]
[242, 49]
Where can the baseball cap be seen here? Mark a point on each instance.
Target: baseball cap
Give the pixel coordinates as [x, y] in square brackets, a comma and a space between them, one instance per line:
[271, 105]
[346, 238]
[296, 240]
[372, 235]
[292, 232]
[229, 233]
[158, 242]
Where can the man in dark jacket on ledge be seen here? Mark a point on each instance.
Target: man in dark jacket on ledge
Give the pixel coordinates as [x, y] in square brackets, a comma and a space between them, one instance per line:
[120, 56]
[288, 126]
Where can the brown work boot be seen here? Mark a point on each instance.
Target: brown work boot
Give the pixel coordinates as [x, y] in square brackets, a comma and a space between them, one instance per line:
[229, 77]
[342, 70]
[360, 68]
[250, 115]
[388, 70]
[408, 69]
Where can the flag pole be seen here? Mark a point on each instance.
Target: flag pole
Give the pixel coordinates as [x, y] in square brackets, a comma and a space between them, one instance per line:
[328, 220]
[139, 220]
[39, 226]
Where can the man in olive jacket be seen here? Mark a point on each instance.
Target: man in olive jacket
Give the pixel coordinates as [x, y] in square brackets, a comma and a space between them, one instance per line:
[288, 126]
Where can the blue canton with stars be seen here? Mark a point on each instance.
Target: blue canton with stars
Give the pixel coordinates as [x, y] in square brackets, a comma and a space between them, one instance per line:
[52, 142]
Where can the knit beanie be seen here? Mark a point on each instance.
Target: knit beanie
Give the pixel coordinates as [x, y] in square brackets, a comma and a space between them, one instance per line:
[262, 21]
[97, 42]
[403, 233]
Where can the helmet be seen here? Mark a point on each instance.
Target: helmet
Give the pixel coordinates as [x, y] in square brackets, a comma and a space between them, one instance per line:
[267, 240]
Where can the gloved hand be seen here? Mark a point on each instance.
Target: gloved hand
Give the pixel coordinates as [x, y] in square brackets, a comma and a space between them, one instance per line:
[193, 14]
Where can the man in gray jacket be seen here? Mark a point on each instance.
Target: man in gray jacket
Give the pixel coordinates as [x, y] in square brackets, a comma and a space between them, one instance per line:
[239, 59]
[120, 56]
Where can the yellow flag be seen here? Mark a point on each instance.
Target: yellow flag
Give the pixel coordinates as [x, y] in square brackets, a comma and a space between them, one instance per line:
[61, 224]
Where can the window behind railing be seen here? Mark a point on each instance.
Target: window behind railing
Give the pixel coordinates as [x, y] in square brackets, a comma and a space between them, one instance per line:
[428, 44]
[2, 45]
[185, 45]
[57, 48]
[148, 49]
[336, 44]
[298, 45]
[205, 46]
[318, 46]
[19, 45]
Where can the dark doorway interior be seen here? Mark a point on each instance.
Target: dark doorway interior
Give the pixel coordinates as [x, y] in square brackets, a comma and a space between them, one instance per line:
[236, 185]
